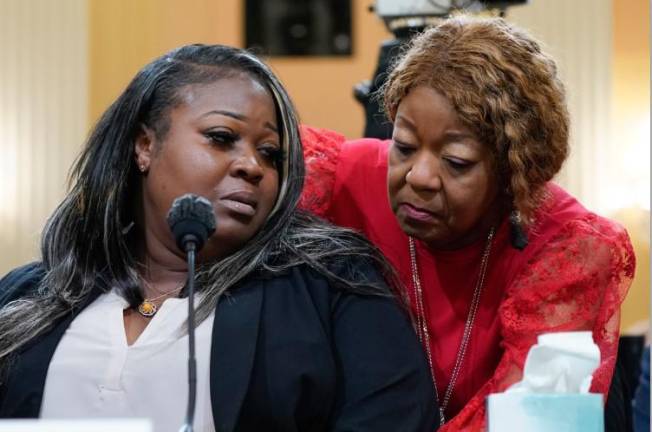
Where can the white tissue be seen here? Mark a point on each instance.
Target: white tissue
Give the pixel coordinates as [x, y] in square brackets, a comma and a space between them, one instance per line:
[560, 363]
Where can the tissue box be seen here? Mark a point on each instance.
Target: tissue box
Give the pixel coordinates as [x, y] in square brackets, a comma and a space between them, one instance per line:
[539, 412]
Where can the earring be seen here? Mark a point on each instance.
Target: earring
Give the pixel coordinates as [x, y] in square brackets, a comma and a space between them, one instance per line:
[518, 236]
[142, 167]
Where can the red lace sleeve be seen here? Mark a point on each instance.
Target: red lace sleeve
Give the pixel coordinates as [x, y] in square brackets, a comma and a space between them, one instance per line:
[321, 151]
[575, 282]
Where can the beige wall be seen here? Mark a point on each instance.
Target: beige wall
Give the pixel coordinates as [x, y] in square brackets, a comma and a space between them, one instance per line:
[43, 95]
[126, 34]
[578, 35]
[630, 112]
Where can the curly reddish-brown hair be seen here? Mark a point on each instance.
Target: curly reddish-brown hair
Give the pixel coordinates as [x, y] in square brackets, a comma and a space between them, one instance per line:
[503, 88]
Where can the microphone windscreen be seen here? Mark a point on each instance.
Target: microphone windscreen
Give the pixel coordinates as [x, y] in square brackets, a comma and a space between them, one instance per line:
[191, 219]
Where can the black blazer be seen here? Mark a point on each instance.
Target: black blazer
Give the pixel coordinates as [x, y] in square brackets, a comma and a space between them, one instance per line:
[290, 353]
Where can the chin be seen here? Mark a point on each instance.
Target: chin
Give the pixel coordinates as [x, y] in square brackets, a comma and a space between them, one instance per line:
[429, 237]
[413, 231]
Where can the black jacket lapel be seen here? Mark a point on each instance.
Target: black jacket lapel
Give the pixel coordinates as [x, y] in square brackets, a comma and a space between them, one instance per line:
[233, 348]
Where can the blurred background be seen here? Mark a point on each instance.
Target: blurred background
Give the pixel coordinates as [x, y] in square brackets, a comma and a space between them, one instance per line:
[64, 61]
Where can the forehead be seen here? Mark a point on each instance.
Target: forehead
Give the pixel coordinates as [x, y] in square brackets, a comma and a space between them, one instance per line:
[239, 93]
[426, 98]
[428, 111]
[429, 115]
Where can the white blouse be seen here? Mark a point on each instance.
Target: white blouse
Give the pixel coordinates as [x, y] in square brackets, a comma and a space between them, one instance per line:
[95, 374]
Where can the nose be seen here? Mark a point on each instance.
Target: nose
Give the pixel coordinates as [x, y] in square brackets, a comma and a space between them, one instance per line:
[425, 174]
[246, 165]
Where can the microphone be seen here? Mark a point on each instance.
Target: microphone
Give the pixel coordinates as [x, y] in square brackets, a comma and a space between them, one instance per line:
[191, 221]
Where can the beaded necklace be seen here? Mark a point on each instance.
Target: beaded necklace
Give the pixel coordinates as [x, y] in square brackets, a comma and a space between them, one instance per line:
[422, 326]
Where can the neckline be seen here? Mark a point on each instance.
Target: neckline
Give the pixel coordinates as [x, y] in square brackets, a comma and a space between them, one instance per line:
[153, 333]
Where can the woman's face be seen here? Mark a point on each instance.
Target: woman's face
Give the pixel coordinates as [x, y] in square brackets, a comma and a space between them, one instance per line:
[441, 184]
[222, 144]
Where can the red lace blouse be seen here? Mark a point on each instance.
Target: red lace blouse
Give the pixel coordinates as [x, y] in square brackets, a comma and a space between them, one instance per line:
[573, 275]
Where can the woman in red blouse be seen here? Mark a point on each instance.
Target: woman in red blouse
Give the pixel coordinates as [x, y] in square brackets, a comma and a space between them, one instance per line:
[491, 252]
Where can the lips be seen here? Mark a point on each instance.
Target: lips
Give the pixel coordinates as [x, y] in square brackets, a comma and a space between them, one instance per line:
[417, 214]
[241, 202]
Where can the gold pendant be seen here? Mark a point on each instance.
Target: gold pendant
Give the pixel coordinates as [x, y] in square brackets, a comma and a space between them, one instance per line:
[147, 308]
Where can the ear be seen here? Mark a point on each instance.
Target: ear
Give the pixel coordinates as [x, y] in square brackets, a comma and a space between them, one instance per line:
[144, 148]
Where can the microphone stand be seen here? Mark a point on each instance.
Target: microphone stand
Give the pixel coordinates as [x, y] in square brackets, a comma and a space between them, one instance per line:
[192, 222]
[192, 363]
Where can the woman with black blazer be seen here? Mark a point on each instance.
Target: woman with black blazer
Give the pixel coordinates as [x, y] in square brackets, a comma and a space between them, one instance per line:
[297, 328]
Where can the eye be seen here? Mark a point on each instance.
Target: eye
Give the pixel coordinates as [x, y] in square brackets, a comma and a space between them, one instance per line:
[402, 148]
[272, 153]
[459, 165]
[222, 137]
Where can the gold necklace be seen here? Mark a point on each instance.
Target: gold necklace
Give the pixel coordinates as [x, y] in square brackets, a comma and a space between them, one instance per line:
[148, 308]
[422, 325]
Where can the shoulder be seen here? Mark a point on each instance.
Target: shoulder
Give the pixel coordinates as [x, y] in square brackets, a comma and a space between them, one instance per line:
[340, 171]
[335, 277]
[307, 292]
[20, 281]
[557, 209]
[329, 158]
[365, 154]
[333, 252]
[327, 282]
[562, 218]
[574, 248]
[322, 144]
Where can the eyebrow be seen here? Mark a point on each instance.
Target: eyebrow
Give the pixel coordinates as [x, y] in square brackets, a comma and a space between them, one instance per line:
[460, 136]
[236, 116]
[407, 122]
[450, 136]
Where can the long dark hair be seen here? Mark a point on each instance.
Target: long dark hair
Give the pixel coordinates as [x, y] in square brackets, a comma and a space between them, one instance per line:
[86, 246]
